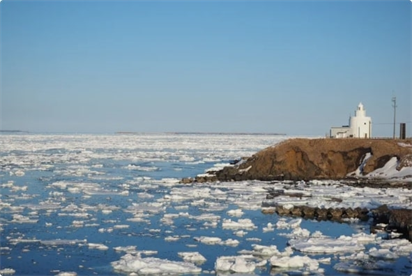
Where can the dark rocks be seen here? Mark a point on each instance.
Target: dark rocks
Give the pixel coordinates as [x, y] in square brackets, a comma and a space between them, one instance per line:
[205, 178]
[296, 211]
[307, 159]
[308, 212]
[350, 213]
[321, 213]
[336, 214]
[399, 220]
[381, 214]
[187, 180]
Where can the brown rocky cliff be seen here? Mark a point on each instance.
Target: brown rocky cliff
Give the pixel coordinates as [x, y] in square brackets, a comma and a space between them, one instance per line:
[297, 159]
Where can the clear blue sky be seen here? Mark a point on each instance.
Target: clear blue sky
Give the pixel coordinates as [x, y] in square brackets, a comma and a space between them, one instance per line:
[295, 67]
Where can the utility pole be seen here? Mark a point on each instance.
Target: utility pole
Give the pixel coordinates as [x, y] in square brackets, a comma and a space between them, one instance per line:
[394, 115]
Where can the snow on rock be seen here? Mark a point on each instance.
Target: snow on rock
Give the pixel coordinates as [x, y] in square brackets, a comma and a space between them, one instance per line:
[405, 145]
[389, 170]
[135, 263]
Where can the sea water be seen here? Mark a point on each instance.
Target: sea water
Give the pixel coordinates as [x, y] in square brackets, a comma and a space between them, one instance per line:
[80, 203]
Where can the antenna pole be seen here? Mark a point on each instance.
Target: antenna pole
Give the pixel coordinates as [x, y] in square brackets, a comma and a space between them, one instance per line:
[394, 115]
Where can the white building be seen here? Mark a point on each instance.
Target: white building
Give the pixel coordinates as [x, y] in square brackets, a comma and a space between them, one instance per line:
[360, 126]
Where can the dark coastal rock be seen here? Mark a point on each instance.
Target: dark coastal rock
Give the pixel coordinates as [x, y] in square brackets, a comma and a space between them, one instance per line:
[308, 212]
[296, 211]
[335, 213]
[381, 214]
[321, 213]
[307, 159]
[280, 210]
[350, 213]
[187, 180]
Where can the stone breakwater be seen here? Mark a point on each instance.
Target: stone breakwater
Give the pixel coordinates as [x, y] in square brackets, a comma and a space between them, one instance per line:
[398, 220]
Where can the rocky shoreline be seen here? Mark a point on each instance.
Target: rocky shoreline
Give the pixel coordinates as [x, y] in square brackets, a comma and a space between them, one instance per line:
[397, 220]
[350, 161]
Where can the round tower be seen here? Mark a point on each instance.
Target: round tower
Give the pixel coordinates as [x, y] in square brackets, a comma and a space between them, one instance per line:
[360, 125]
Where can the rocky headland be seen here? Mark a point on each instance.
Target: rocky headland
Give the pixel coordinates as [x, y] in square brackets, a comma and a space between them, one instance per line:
[308, 159]
[357, 162]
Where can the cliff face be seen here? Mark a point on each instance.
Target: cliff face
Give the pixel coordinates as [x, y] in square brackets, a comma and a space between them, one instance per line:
[297, 159]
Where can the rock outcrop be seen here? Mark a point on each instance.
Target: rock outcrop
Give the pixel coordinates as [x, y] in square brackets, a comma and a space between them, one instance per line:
[306, 159]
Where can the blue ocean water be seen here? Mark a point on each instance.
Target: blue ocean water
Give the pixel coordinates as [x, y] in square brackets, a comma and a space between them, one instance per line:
[61, 194]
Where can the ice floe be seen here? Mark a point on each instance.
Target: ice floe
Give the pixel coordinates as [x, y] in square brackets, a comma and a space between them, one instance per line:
[135, 263]
[114, 191]
[193, 257]
[238, 264]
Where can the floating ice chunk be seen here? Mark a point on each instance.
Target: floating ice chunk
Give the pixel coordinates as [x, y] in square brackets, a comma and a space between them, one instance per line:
[142, 168]
[231, 242]
[240, 224]
[268, 228]
[121, 226]
[18, 173]
[208, 240]
[235, 213]
[172, 238]
[242, 266]
[139, 265]
[67, 274]
[364, 238]
[240, 233]
[400, 246]
[267, 251]
[18, 188]
[127, 249]
[283, 224]
[145, 195]
[192, 257]
[216, 240]
[295, 261]
[58, 242]
[207, 217]
[297, 233]
[326, 245]
[17, 218]
[294, 223]
[383, 253]
[98, 246]
[168, 181]
[7, 271]
[237, 264]
[370, 267]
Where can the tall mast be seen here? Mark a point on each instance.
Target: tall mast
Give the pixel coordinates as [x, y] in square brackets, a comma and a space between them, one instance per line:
[394, 115]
